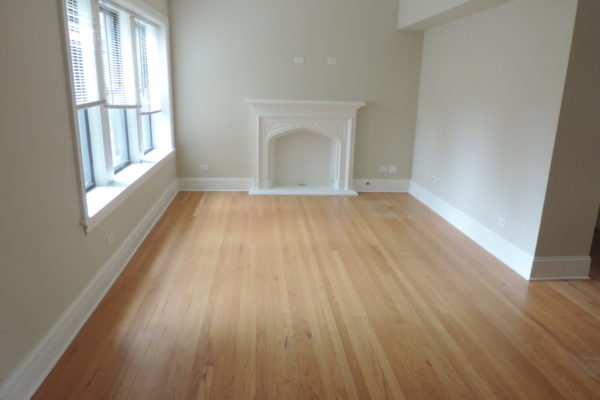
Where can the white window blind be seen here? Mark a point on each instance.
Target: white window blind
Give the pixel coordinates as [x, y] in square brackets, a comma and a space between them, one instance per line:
[119, 70]
[84, 52]
[148, 66]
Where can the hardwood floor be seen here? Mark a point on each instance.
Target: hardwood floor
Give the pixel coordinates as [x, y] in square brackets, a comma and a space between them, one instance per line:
[374, 297]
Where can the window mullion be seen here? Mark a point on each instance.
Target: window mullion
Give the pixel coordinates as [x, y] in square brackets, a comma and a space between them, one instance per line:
[106, 144]
[102, 143]
[136, 68]
[135, 139]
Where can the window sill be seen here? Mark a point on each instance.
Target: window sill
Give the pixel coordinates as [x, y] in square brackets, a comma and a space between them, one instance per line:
[103, 200]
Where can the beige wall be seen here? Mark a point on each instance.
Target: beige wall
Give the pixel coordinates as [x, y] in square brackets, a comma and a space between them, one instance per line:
[490, 95]
[573, 195]
[45, 258]
[227, 51]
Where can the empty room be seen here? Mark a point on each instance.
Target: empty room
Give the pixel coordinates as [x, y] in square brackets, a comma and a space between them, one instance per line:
[300, 199]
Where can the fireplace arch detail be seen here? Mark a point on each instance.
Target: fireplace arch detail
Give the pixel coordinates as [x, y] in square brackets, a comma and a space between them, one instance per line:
[333, 119]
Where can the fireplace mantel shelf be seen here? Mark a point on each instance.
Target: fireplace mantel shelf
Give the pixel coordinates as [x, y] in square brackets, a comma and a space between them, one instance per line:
[299, 104]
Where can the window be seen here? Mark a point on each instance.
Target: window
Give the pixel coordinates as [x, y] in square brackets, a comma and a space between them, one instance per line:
[119, 85]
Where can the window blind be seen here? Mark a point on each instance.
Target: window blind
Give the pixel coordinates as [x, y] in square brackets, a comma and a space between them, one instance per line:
[148, 66]
[84, 52]
[119, 70]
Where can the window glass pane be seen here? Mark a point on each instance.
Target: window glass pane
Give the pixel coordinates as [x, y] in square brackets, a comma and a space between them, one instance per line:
[83, 51]
[111, 52]
[85, 148]
[147, 128]
[117, 52]
[148, 66]
[118, 137]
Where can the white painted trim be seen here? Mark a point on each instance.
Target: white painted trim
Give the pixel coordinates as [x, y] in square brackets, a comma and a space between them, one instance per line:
[302, 191]
[293, 105]
[216, 184]
[92, 222]
[561, 268]
[517, 259]
[335, 120]
[26, 378]
[381, 185]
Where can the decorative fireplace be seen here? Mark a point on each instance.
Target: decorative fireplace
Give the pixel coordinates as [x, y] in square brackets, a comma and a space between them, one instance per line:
[334, 120]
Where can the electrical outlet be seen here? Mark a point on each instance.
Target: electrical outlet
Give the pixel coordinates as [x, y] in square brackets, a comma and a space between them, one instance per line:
[434, 179]
[502, 222]
[110, 238]
[393, 169]
[331, 61]
[383, 168]
[299, 60]
[204, 167]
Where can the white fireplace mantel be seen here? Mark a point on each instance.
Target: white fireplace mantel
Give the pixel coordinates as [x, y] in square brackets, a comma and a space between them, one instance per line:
[333, 119]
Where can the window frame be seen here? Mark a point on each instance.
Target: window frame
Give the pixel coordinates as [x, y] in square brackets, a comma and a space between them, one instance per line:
[145, 149]
[88, 139]
[113, 186]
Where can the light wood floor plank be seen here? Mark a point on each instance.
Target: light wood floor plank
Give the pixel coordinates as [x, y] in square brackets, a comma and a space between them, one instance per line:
[374, 297]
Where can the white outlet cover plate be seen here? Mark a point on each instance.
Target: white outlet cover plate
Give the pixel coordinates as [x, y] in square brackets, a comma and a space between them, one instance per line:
[331, 61]
[299, 60]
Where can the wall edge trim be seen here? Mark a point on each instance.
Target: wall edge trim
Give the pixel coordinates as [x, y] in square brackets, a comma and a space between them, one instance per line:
[561, 268]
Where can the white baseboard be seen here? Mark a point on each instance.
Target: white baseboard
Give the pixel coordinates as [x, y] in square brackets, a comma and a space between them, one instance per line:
[302, 191]
[560, 268]
[246, 184]
[517, 259]
[32, 371]
[381, 185]
[216, 184]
